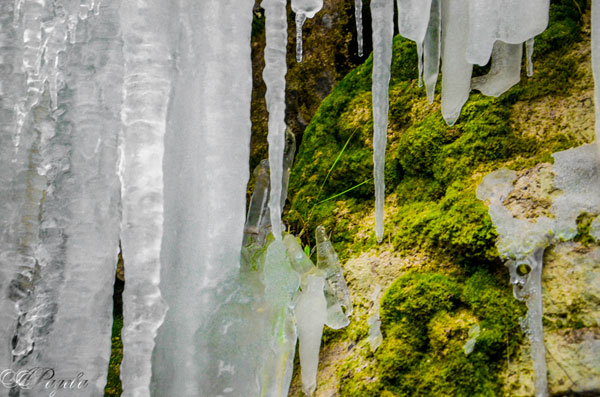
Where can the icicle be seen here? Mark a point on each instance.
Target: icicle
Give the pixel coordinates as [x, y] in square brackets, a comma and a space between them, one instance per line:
[311, 315]
[359, 26]
[456, 71]
[145, 94]
[374, 320]
[328, 262]
[596, 64]
[382, 12]
[413, 18]
[505, 71]
[529, 51]
[303, 9]
[300, 18]
[258, 208]
[432, 49]
[274, 76]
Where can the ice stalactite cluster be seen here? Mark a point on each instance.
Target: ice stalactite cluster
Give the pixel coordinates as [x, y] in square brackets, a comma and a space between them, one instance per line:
[462, 33]
[521, 242]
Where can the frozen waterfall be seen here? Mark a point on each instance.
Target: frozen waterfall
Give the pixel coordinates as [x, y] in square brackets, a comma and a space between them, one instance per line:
[130, 121]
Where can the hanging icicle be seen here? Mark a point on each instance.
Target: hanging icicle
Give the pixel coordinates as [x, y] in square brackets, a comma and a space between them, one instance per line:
[382, 12]
[303, 9]
[359, 26]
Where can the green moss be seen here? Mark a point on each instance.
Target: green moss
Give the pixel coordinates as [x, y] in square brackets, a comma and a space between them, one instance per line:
[113, 384]
[584, 222]
[426, 319]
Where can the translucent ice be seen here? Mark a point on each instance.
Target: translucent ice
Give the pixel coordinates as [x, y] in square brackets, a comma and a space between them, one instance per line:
[146, 92]
[274, 76]
[512, 21]
[432, 48]
[359, 26]
[374, 320]
[328, 262]
[311, 315]
[505, 70]
[456, 70]
[382, 13]
[303, 9]
[529, 45]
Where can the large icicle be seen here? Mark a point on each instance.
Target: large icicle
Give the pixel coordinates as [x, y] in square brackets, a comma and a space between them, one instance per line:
[505, 71]
[274, 76]
[382, 12]
[145, 94]
[59, 193]
[432, 48]
[303, 9]
[205, 178]
[512, 21]
[456, 71]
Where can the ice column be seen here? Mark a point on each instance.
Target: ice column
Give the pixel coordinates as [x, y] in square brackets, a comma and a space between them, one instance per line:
[303, 9]
[456, 70]
[59, 191]
[382, 12]
[145, 99]
[205, 176]
[274, 76]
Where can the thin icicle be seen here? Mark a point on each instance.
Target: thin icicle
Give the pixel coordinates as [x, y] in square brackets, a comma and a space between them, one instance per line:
[413, 18]
[382, 12]
[303, 9]
[300, 18]
[274, 76]
[529, 51]
[359, 26]
[432, 48]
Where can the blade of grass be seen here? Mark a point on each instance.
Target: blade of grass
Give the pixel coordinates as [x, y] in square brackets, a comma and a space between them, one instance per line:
[344, 192]
[336, 160]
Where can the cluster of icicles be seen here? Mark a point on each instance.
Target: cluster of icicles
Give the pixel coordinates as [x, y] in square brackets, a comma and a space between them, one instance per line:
[129, 121]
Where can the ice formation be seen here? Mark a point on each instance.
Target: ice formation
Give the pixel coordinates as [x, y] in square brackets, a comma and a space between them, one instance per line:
[522, 242]
[303, 9]
[117, 119]
[382, 12]
[374, 320]
[359, 26]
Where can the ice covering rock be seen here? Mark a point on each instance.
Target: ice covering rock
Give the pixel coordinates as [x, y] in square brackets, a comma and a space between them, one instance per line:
[274, 77]
[505, 70]
[359, 26]
[474, 332]
[522, 242]
[382, 13]
[456, 70]
[374, 320]
[303, 9]
[311, 315]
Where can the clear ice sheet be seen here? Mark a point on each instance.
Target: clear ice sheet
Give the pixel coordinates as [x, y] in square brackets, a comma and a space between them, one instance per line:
[382, 14]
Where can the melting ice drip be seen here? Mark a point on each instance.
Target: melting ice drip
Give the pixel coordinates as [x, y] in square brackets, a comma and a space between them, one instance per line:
[522, 242]
[463, 33]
